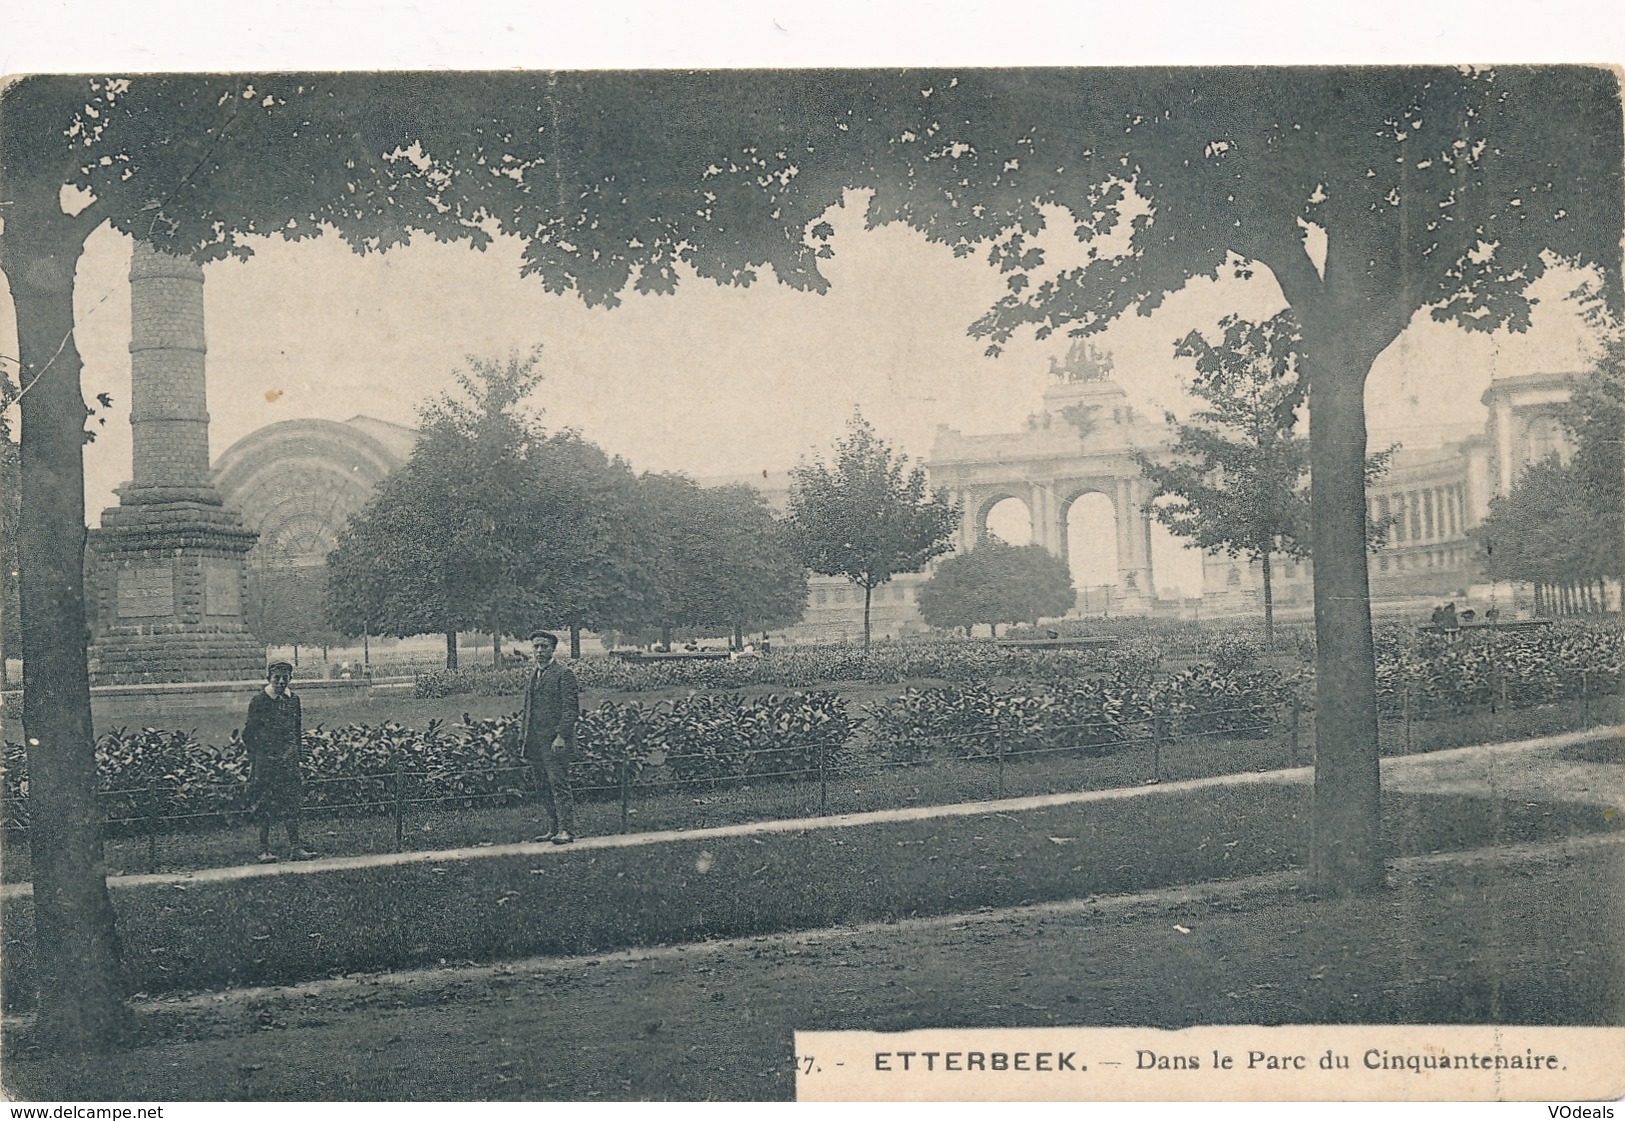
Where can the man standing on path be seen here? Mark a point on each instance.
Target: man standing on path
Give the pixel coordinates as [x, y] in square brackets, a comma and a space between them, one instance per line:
[274, 735]
[547, 734]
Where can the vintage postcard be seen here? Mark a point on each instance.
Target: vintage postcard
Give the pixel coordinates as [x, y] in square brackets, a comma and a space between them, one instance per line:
[1073, 584]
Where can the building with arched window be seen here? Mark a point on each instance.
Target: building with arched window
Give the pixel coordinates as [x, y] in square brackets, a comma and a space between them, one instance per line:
[298, 483]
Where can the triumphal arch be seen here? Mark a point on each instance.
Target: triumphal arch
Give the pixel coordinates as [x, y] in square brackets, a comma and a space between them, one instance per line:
[1082, 442]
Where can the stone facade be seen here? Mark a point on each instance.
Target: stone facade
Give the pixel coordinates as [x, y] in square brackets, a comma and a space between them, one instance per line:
[166, 565]
[298, 483]
[1082, 442]
[1431, 499]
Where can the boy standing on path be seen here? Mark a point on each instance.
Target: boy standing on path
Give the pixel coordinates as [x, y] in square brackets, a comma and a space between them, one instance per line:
[274, 734]
[547, 734]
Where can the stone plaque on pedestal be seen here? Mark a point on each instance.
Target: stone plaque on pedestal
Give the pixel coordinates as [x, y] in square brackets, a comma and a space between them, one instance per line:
[146, 591]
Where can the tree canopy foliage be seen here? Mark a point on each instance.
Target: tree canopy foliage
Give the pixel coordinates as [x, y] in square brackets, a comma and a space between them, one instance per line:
[867, 515]
[1560, 527]
[447, 544]
[1236, 479]
[1369, 196]
[709, 559]
[994, 583]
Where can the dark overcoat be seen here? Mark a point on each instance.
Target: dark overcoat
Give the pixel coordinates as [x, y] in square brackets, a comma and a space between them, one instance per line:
[552, 707]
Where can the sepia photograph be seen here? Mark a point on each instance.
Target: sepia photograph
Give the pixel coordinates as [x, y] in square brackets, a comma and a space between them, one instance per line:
[580, 584]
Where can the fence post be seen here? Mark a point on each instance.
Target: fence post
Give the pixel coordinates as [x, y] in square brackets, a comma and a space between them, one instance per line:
[1405, 701]
[1156, 745]
[823, 777]
[400, 806]
[152, 828]
[624, 767]
[1000, 753]
[1297, 714]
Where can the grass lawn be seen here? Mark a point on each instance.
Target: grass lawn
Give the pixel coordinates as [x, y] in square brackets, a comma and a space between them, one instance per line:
[1520, 940]
[285, 928]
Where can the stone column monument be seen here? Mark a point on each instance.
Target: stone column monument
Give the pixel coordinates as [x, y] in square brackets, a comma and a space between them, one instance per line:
[169, 584]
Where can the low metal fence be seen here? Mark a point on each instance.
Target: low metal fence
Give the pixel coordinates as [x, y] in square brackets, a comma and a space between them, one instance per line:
[801, 773]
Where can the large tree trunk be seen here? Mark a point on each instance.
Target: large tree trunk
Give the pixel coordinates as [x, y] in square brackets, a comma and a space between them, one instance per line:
[575, 641]
[80, 1005]
[451, 649]
[867, 593]
[1346, 851]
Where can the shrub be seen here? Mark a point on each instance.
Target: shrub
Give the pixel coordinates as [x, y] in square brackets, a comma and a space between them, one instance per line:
[806, 667]
[1233, 652]
[1208, 700]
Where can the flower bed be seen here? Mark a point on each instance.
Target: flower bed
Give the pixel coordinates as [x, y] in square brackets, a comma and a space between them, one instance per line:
[805, 667]
[1435, 673]
[150, 776]
[1092, 715]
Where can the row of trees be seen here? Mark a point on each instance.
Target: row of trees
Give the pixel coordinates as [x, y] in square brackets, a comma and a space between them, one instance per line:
[497, 525]
[1560, 527]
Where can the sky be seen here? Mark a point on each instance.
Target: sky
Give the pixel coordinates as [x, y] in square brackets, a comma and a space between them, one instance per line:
[709, 381]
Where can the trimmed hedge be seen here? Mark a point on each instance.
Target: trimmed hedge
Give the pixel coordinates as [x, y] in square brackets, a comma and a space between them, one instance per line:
[702, 737]
[721, 737]
[1093, 716]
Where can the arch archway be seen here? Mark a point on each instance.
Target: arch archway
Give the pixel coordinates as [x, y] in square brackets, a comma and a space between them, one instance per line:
[1009, 519]
[980, 508]
[1091, 520]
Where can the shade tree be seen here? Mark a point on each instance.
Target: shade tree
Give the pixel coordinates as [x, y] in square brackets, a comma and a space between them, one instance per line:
[447, 544]
[1236, 478]
[867, 514]
[1370, 197]
[995, 583]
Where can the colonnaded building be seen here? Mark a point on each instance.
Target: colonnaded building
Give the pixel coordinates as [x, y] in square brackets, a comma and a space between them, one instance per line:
[199, 564]
[1070, 480]
[1070, 474]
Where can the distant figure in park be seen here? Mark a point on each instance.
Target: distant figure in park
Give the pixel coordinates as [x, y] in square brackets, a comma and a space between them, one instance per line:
[273, 735]
[547, 734]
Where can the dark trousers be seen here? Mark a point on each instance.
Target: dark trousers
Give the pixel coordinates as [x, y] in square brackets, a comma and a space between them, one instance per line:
[552, 765]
